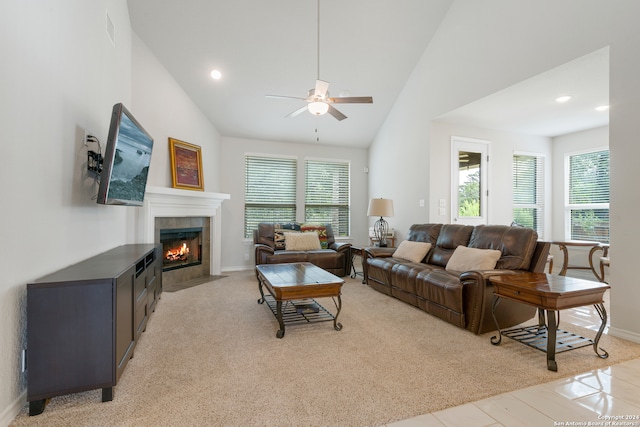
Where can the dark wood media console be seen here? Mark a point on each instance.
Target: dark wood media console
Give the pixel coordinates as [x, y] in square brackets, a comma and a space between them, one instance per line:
[83, 322]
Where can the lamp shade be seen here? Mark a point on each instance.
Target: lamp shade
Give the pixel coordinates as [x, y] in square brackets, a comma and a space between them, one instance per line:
[380, 207]
[318, 108]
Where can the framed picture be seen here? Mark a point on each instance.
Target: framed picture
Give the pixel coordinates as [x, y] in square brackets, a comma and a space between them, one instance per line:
[186, 165]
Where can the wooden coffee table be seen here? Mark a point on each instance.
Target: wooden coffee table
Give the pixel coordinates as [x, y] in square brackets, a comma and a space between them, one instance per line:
[549, 293]
[296, 285]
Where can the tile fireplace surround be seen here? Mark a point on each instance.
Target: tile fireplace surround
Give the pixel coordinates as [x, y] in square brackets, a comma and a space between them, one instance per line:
[172, 202]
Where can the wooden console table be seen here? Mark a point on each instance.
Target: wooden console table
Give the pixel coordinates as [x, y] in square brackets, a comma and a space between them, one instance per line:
[549, 293]
[83, 322]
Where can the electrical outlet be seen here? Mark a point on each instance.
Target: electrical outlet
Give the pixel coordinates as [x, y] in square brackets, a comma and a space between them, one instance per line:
[246, 257]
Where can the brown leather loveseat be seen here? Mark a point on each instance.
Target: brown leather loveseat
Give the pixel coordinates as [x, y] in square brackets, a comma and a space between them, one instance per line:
[270, 247]
[463, 298]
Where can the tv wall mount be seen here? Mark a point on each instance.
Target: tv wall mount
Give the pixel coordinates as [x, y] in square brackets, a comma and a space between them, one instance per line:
[94, 159]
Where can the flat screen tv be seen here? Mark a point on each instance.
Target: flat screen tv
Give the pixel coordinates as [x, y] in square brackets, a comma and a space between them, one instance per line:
[123, 179]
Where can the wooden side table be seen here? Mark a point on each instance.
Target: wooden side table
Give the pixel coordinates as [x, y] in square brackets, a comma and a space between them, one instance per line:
[391, 242]
[549, 293]
[594, 246]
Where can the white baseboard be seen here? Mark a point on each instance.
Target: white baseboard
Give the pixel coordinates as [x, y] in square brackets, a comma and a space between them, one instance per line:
[624, 334]
[229, 269]
[13, 410]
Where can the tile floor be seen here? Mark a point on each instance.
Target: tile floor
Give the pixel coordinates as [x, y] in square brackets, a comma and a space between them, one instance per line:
[582, 400]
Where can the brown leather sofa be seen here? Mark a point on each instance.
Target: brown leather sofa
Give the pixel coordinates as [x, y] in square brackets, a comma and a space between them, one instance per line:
[335, 258]
[462, 298]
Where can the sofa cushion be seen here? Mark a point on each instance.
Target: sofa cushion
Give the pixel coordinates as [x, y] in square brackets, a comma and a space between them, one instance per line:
[412, 251]
[441, 289]
[517, 244]
[468, 259]
[451, 236]
[301, 241]
[424, 233]
[321, 230]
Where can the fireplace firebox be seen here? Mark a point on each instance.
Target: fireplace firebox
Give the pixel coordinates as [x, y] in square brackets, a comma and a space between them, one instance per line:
[181, 247]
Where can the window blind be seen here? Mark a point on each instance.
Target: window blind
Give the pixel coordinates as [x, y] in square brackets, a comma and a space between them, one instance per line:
[327, 194]
[588, 196]
[528, 192]
[270, 191]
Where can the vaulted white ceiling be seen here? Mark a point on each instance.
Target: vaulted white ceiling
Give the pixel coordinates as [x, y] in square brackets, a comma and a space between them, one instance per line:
[529, 107]
[367, 48]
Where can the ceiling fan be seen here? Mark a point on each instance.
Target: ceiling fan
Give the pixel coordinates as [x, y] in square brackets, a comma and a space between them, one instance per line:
[318, 100]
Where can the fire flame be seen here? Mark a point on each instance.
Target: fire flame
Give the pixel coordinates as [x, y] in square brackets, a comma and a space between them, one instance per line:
[177, 254]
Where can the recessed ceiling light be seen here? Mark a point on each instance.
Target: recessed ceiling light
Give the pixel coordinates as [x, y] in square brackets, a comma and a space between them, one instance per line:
[602, 108]
[216, 74]
[563, 99]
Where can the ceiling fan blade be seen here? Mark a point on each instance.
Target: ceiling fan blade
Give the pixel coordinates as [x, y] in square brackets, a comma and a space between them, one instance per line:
[352, 100]
[335, 113]
[298, 111]
[283, 97]
[321, 88]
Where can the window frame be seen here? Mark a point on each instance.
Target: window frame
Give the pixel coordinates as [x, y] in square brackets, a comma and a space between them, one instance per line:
[248, 228]
[300, 185]
[340, 230]
[539, 205]
[569, 207]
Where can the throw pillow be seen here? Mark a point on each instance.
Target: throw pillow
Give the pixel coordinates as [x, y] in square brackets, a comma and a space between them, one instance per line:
[280, 229]
[278, 237]
[412, 251]
[467, 259]
[321, 230]
[301, 241]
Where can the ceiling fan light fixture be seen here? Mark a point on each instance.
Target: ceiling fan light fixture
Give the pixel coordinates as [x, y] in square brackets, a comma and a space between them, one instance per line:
[318, 108]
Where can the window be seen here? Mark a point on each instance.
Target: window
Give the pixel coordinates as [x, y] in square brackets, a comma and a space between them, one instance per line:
[528, 191]
[270, 191]
[327, 194]
[587, 204]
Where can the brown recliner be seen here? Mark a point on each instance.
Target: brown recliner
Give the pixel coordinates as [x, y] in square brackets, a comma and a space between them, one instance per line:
[463, 298]
[335, 258]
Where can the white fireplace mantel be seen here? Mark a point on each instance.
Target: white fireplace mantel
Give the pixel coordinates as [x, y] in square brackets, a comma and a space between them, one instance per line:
[173, 202]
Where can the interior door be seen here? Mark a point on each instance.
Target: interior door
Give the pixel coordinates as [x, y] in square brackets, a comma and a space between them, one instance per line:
[469, 182]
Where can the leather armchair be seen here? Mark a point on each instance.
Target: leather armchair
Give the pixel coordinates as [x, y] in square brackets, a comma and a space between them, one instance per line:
[335, 258]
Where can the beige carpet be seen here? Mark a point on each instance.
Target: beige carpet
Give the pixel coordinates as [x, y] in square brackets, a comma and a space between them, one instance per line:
[210, 357]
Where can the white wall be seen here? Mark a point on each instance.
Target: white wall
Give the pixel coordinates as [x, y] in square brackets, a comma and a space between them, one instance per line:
[485, 46]
[167, 112]
[502, 146]
[60, 78]
[237, 248]
[61, 75]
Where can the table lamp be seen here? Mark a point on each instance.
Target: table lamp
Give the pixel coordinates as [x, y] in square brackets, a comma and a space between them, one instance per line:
[381, 207]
